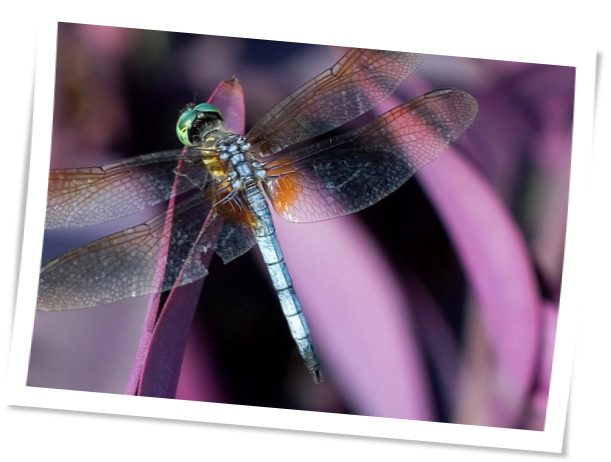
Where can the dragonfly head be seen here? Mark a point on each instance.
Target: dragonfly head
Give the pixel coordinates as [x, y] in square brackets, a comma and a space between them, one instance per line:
[196, 121]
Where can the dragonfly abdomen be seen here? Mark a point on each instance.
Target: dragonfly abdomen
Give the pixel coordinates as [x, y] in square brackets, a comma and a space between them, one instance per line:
[244, 174]
[265, 235]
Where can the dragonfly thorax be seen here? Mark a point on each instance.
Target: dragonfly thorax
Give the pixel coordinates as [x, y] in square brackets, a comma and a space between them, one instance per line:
[241, 165]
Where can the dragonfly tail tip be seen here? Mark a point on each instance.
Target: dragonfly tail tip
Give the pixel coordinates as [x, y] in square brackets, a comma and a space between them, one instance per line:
[317, 375]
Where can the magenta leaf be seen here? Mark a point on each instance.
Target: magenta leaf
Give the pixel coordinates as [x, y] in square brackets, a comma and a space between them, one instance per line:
[163, 341]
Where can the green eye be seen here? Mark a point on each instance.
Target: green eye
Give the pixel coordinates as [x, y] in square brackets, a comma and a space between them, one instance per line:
[195, 117]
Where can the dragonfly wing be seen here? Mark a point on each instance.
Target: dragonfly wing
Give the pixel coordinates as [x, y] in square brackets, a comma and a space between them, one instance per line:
[124, 264]
[236, 236]
[355, 84]
[350, 172]
[87, 196]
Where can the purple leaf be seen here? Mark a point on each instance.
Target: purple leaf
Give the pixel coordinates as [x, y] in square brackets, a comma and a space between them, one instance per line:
[164, 337]
[497, 265]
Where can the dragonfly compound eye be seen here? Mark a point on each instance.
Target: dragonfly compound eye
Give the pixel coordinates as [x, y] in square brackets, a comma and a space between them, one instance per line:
[194, 121]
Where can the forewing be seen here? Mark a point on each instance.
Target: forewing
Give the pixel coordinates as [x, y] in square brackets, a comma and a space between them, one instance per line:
[87, 196]
[352, 171]
[355, 84]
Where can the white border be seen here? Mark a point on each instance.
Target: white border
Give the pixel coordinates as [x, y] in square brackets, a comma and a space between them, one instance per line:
[549, 440]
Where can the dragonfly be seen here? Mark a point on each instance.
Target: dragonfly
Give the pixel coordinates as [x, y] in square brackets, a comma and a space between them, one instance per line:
[226, 182]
